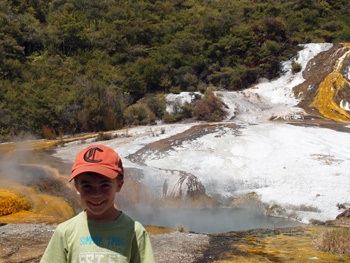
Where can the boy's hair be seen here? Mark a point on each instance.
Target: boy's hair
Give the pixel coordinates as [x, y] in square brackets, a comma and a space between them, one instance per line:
[98, 159]
[118, 178]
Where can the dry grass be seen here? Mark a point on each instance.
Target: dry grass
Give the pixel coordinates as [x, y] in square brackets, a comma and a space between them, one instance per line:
[181, 228]
[335, 240]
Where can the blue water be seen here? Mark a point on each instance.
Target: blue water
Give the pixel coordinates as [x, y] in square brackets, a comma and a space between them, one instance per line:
[207, 220]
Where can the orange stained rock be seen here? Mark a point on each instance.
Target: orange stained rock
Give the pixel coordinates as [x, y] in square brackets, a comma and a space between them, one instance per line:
[334, 82]
[156, 230]
[13, 147]
[12, 203]
[28, 217]
[52, 206]
[41, 205]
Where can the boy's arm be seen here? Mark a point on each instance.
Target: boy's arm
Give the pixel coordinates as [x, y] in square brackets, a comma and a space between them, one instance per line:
[141, 251]
[56, 250]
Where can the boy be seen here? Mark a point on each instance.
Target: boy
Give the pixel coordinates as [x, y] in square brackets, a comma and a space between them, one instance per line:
[101, 233]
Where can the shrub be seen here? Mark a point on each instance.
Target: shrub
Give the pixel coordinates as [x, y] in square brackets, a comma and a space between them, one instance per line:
[187, 110]
[138, 114]
[172, 118]
[191, 89]
[209, 108]
[181, 228]
[157, 105]
[175, 89]
[201, 87]
[49, 134]
[296, 67]
[103, 137]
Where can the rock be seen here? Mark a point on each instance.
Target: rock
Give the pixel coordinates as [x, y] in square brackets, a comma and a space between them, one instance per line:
[345, 214]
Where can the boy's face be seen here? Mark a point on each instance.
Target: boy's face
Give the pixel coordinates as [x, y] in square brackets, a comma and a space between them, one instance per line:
[97, 195]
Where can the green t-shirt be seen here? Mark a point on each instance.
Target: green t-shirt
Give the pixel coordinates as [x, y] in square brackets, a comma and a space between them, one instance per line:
[81, 240]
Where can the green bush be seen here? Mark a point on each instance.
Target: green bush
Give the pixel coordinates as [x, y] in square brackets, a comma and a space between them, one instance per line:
[172, 118]
[175, 90]
[187, 110]
[138, 114]
[296, 67]
[157, 105]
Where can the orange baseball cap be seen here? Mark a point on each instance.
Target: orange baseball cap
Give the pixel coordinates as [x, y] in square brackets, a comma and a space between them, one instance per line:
[98, 159]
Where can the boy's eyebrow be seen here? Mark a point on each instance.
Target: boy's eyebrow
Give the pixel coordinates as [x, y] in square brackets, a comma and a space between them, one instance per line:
[101, 182]
[84, 182]
[105, 181]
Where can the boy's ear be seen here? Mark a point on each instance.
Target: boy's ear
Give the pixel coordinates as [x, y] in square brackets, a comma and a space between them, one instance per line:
[76, 187]
[120, 185]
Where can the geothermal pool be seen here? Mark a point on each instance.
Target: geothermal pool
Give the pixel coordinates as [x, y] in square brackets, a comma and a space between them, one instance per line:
[207, 220]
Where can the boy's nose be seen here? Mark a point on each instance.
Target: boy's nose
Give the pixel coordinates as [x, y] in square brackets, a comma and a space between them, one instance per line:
[95, 192]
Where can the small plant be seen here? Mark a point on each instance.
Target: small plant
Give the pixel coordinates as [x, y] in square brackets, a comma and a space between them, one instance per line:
[103, 137]
[187, 110]
[181, 228]
[209, 108]
[296, 67]
[49, 134]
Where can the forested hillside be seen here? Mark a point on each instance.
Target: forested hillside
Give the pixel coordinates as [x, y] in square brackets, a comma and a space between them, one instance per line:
[70, 66]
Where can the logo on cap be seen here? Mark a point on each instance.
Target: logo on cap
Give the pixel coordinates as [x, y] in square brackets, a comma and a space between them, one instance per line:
[89, 156]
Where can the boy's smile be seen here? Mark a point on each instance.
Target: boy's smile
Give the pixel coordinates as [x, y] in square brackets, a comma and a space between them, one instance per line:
[97, 194]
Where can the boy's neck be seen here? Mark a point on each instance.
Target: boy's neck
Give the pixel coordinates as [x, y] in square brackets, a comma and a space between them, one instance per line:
[112, 216]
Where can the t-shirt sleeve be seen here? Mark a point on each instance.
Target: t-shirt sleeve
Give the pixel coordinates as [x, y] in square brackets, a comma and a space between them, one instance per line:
[56, 250]
[142, 251]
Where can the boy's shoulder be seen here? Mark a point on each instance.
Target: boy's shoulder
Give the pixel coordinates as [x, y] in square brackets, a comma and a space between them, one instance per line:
[129, 220]
[73, 222]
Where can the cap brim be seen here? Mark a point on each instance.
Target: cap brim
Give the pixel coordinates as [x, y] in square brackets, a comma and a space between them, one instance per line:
[95, 169]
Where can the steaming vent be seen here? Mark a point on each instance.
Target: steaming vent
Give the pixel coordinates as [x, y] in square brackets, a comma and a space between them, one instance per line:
[34, 192]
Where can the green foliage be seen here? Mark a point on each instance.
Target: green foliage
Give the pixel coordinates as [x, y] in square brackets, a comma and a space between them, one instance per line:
[172, 118]
[138, 114]
[175, 90]
[296, 67]
[76, 65]
[157, 105]
[180, 112]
